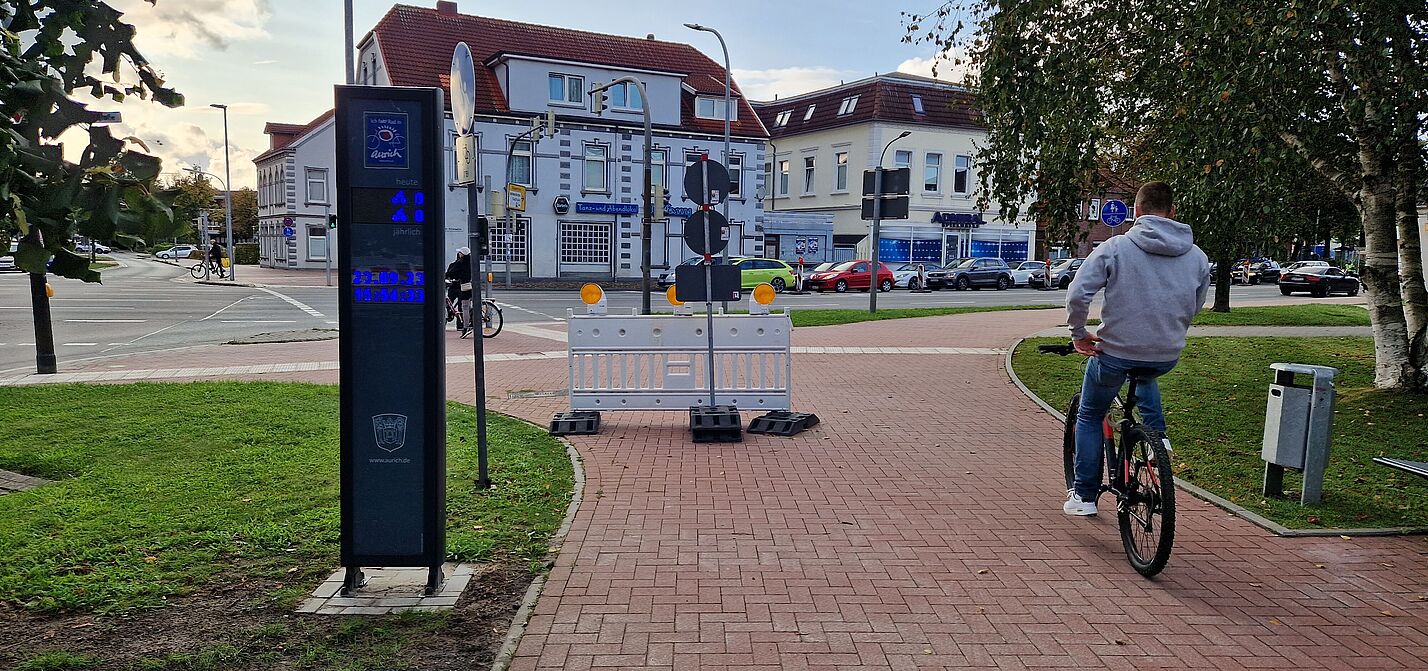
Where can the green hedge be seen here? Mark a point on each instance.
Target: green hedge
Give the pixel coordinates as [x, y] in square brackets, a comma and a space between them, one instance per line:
[246, 253]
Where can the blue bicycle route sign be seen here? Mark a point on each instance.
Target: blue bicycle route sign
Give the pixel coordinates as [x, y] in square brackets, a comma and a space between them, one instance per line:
[1113, 213]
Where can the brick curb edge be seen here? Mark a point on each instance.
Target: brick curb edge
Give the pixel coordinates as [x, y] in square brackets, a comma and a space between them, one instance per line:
[523, 614]
[1199, 492]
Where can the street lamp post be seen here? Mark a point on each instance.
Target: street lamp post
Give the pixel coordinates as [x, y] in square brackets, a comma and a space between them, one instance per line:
[874, 265]
[728, 114]
[228, 196]
[647, 222]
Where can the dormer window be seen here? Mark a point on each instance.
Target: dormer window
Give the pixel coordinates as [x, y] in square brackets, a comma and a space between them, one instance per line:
[712, 108]
[848, 105]
[782, 119]
[917, 105]
[567, 89]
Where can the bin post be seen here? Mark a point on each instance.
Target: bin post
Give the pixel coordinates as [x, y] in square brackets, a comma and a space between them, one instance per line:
[1299, 423]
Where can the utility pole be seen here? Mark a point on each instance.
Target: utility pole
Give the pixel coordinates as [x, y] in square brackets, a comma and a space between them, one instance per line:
[874, 265]
[45, 363]
[228, 196]
[351, 48]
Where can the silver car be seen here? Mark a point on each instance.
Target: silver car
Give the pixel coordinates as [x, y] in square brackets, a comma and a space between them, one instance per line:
[1021, 272]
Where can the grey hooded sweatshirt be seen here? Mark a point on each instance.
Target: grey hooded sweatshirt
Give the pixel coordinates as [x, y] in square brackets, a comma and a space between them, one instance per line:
[1155, 279]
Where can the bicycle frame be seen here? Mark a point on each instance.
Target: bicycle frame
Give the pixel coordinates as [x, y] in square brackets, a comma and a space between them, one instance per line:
[1117, 467]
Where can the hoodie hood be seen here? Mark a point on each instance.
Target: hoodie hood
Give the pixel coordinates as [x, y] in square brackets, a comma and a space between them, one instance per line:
[1161, 236]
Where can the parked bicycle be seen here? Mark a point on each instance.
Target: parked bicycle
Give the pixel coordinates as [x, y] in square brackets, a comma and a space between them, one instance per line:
[491, 317]
[1137, 473]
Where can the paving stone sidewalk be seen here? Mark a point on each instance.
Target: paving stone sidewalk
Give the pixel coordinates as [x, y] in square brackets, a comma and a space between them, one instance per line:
[917, 527]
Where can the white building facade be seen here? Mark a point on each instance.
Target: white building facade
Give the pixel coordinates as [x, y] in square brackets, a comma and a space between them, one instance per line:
[585, 185]
[822, 142]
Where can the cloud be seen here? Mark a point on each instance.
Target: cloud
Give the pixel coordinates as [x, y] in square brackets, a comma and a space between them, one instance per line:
[266, 62]
[784, 82]
[191, 27]
[944, 66]
[183, 138]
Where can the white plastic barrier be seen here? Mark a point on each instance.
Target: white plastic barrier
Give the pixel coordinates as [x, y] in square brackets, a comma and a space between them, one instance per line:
[658, 362]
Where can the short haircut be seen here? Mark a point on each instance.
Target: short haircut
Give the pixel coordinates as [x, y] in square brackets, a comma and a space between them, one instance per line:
[1154, 197]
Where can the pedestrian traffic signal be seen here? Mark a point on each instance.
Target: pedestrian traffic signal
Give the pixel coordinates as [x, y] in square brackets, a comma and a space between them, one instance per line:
[483, 235]
[331, 221]
[599, 100]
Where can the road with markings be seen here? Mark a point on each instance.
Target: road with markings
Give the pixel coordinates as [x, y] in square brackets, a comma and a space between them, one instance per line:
[149, 306]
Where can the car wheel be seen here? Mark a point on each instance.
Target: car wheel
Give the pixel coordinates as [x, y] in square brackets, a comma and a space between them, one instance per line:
[1065, 283]
[777, 284]
[913, 284]
[1003, 283]
[886, 285]
[1285, 291]
[963, 284]
[1319, 293]
[841, 286]
[1354, 290]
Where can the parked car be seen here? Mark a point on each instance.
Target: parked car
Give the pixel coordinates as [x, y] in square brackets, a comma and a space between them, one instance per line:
[983, 272]
[7, 261]
[177, 252]
[1061, 274]
[850, 275]
[753, 272]
[1268, 271]
[937, 280]
[1021, 273]
[1318, 281]
[905, 275]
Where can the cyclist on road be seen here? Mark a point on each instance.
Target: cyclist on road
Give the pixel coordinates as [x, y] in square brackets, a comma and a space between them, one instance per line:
[1155, 280]
[458, 281]
[215, 258]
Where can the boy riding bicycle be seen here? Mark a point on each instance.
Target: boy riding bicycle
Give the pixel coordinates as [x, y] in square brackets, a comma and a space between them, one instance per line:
[1155, 280]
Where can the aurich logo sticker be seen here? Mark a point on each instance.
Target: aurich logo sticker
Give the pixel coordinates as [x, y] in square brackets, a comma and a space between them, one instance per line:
[390, 431]
[386, 140]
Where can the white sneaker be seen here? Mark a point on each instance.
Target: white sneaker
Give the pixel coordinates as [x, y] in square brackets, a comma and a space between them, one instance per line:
[1075, 506]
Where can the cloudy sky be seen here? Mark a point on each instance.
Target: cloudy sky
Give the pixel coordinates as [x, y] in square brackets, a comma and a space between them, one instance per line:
[276, 60]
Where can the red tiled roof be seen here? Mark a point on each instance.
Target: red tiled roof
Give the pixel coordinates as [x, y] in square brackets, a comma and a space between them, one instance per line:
[417, 42]
[296, 131]
[881, 98]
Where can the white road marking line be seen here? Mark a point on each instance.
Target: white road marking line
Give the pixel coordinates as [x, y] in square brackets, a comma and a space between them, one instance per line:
[75, 307]
[258, 321]
[179, 323]
[293, 302]
[79, 344]
[529, 311]
[106, 321]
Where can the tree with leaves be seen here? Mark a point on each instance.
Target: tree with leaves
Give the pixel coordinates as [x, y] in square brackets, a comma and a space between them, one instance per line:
[51, 51]
[1228, 101]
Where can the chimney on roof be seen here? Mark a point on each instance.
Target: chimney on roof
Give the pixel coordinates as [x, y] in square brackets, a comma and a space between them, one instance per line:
[445, 7]
[650, 37]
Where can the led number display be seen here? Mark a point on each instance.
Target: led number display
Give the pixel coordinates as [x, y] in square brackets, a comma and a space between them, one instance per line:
[389, 206]
[388, 286]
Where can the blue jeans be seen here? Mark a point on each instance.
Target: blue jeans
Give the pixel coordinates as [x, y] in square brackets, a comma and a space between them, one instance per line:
[1105, 375]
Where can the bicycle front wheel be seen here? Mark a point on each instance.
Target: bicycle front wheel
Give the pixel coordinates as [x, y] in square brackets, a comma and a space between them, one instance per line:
[491, 319]
[1146, 504]
[197, 271]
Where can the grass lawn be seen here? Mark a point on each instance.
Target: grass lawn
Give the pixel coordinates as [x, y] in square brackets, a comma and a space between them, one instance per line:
[1308, 314]
[1215, 403]
[166, 493]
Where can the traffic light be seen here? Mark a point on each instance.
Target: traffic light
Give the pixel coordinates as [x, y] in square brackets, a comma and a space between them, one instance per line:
[599, 100]
[332, 222]
[483, 236]
[550, 123]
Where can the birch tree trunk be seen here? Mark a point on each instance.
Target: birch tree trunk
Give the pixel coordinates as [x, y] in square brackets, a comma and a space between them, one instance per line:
[1394, 366]
[1410, 258]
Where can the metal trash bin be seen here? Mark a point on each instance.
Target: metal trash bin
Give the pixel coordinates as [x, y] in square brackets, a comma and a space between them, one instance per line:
[1298, 425]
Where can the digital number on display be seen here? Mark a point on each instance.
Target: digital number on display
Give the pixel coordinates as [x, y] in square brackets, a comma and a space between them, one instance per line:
[388, 295]
[388, 286]
[388, 206]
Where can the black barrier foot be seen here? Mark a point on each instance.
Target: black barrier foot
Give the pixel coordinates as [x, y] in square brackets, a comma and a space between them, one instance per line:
[783, 423]
[577, 423]
[354, 580]
[716, 424]
[434, 578]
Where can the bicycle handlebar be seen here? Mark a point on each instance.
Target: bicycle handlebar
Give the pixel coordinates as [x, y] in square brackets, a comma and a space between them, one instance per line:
[1060, 350]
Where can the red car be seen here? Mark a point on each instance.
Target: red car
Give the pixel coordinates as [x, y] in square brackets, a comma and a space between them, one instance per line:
[850, 275]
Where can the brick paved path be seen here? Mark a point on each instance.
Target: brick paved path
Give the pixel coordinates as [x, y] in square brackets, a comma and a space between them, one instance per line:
[918, 526]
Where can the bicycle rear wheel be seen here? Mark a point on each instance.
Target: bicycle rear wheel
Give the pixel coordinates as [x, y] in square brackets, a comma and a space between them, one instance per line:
[1146, 505]
[491, 319]
[1068, 442]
